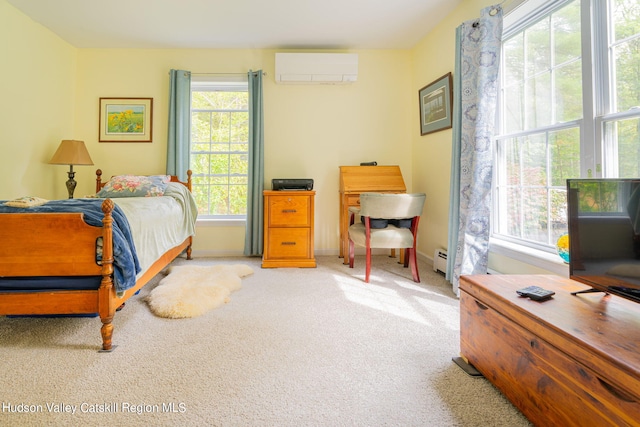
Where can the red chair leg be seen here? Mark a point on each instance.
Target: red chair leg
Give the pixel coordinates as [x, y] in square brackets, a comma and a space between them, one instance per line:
[368, 266]
[414, 266]
[352, 252]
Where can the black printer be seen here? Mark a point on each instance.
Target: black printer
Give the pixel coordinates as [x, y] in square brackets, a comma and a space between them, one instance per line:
[301, 184]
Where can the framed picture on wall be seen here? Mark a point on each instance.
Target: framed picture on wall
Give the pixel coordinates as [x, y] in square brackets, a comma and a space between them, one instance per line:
[126, 120]
[436, 99]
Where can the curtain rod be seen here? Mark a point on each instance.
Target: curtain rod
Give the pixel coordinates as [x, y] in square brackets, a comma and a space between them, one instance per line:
[223, 74]
[219, 74]
[509, 6]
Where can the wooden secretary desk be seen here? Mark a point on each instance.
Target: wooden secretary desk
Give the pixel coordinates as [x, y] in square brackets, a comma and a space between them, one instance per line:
[363, 179]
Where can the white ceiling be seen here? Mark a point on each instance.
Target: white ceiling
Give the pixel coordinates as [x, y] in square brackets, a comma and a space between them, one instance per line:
[277, 24]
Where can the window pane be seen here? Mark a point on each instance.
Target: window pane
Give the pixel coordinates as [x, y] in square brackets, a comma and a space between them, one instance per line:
[237, 198]
[239, 127]
[566, 33]
[219, 203]
[512, 161]
[538, 48]
[220, 127]
[200, 166]
[535, 214]
[200, 130]
[513, 88]
[203, 100]
[626, 53]
[513, 96]
[238, 164]
[559, 217]
[627, 71]
[538, 101]
[534, 161]
[513, 51]
[513, 218]
[568, 92]
[625, 19]
[564, 152]
[623, 137]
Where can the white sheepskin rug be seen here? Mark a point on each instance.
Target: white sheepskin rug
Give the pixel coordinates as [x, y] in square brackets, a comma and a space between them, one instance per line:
[192, 290]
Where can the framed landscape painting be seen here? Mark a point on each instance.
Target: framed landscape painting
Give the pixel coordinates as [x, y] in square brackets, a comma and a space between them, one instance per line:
[126, 119]
[435, 105]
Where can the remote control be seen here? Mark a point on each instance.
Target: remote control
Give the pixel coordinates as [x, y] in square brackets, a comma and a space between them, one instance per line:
[536, 293]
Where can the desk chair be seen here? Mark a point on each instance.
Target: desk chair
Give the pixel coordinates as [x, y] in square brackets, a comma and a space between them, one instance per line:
[388, 221]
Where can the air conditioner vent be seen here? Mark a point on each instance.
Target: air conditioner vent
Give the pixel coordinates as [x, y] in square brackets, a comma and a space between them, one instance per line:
[316, 68]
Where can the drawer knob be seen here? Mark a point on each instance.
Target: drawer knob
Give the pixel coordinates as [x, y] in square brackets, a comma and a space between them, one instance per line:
[288, 243]
[289, 211]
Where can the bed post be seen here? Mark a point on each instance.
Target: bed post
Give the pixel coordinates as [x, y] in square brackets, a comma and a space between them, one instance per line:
[106, 306]
[98, 180]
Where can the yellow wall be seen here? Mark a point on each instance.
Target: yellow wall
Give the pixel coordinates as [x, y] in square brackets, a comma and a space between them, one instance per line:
[37, 87]
[309, 130]
[53, 92]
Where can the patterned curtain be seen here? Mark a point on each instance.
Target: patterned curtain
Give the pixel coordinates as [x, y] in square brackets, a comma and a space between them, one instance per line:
[253, 241]
[179, 123]
[475, 101]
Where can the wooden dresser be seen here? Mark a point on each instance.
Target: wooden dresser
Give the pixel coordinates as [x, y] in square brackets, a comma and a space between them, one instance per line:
[288, 229]
[573, 360]
[361, 179]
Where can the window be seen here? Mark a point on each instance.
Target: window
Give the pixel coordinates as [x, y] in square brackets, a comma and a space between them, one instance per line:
[558, 116]
[219, 148]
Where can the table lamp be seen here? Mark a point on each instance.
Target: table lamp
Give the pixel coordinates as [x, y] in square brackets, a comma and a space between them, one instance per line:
[71, 152]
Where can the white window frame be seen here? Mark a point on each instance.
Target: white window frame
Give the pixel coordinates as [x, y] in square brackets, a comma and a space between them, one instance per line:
[597, 103]
[227, 83]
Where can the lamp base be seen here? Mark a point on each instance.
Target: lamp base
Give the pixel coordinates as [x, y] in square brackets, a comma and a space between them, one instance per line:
[71, 183]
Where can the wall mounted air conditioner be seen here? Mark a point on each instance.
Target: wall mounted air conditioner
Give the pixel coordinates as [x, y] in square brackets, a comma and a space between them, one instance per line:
[316, 68]
[440, 261]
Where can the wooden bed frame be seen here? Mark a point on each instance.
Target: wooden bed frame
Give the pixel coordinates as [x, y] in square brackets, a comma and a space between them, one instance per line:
[62, 244]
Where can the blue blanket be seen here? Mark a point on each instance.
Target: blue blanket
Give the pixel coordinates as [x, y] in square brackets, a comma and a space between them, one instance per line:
[125, 258]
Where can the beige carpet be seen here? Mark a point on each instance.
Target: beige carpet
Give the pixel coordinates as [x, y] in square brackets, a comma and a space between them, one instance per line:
[296, 347]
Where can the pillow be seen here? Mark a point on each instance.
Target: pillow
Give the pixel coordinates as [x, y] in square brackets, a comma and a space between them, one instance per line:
[26, 202]
[135, 186]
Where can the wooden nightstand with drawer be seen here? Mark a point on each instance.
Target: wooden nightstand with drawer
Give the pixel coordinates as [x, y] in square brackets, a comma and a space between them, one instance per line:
[288, 229]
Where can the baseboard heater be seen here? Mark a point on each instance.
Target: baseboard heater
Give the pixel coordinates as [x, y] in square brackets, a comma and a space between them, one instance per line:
[440, 261]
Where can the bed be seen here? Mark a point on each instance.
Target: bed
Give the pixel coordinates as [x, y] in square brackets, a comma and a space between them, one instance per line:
[89, 256]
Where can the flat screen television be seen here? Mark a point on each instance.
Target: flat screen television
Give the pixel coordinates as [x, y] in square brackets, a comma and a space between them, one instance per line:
[604, 235]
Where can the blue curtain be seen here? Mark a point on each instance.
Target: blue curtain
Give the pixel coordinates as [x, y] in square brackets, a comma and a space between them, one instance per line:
[477, 64]
[253, 243]
[179, 123]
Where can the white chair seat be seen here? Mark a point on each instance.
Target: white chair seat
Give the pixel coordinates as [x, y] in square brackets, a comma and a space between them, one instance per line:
[390, 237]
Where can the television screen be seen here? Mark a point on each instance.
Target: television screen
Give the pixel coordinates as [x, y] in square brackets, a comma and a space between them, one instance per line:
[604, 234]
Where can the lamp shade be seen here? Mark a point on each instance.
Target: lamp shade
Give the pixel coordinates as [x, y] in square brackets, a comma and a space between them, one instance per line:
[71, 152]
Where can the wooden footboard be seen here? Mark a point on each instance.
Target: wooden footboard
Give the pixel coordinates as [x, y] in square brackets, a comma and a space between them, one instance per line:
[58, 244]
[62, 244]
